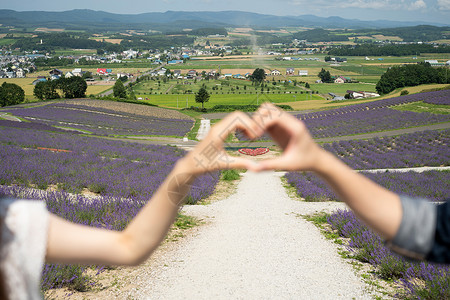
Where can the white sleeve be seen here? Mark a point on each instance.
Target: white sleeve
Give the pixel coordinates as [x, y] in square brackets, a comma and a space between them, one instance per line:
[23, 246]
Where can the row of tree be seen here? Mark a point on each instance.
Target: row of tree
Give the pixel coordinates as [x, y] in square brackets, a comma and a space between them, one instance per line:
[411, 75]
[387, 50]
[74, 87]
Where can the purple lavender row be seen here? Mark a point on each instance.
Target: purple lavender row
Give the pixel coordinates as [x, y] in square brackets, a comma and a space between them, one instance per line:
[428, 148]
[379, 104]
[416, 280]
[101, 123]
[432, 185]
[438, 101]
[90, 146]
[369, 121]
[109, 168]
[32, 125]
[370, 117]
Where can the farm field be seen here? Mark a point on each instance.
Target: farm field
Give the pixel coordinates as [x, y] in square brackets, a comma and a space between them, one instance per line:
[101, 121]
[222, 99]
[374, 116]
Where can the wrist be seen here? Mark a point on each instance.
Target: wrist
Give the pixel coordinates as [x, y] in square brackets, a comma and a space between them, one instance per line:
[325, 161]
[186, 167]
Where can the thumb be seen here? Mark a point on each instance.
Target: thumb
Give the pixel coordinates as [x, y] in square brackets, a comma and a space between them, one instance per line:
[279, 163]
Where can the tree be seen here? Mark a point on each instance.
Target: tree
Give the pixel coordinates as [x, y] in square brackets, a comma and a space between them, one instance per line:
[258, 75]
[324, 75]
[119, 90]
[73, 87]
[307, 86]
[202, 96]
[11, 94]
[45, 90]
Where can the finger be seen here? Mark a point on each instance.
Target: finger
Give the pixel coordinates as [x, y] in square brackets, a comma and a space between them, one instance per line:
[237, 120]
[240, 163]
[272, 164]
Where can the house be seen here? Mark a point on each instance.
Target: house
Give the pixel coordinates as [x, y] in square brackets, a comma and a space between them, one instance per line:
[77, 72]
[275, 72]
[290, 71]
[303, 73]
[176, 73]
[319, 81]
[102, 71]
[55, 77]
[56, 72]
[342, 79]
[20, 73]
[191, 74]
[119, 75]
[69, 75]
[339, 79]
[2, 74]
[361, 95]
[174, 62]
[39, 80]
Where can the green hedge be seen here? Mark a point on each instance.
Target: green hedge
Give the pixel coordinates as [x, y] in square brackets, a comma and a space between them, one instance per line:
[230, 108]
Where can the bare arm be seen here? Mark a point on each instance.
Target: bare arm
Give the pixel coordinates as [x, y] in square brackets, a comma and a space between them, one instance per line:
[73, 243]
[376, 206]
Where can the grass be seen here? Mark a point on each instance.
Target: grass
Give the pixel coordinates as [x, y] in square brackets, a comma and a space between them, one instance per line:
[192, 135]
[424, 107]
[224, 99]
[185, 222]
[341, 88]
[230, 175]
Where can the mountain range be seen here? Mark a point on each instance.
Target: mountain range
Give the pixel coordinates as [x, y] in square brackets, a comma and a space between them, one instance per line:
[182, 19]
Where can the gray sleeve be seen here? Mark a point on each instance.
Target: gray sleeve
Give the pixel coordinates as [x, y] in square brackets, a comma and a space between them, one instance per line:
[415, 237]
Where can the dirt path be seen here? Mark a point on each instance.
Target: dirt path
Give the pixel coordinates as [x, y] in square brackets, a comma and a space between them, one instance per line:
[170, 88]
[205, 126]
[254, 246]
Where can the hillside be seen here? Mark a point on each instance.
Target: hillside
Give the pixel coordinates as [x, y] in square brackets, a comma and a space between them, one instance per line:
[170, 20]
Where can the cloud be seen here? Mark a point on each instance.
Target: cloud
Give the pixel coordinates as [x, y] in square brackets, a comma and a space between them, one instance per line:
[443, 4]
[419, 4]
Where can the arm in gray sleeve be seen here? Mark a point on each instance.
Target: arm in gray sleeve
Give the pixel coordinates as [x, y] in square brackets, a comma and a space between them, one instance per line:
[415, 237]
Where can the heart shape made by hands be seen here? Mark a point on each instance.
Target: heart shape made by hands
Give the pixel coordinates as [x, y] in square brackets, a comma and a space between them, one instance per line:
[253, 152]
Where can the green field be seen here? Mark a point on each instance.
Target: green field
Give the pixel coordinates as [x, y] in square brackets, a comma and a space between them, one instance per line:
[182, 101]
[341, 88]
[424, 107]
[5, 42]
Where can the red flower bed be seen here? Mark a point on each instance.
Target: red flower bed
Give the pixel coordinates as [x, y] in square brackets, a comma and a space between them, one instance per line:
[253, 152]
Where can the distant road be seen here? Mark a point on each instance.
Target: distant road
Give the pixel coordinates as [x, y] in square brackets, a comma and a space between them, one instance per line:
[109, 92]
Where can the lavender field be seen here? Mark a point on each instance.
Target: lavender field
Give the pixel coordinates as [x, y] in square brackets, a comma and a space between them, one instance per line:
[108, 168]
[427, 148]
[415, 280]
[86, 179]
[371, 117]
[102, 121]
[433, 185]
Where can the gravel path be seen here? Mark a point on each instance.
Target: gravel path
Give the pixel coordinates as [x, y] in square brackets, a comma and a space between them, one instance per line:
[205, 126]
[254, 246]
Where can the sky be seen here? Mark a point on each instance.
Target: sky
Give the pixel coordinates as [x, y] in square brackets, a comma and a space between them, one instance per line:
[398, 10]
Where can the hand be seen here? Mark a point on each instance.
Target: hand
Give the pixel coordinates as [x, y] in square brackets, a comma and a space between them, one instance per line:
[209, 154]
[300, 152]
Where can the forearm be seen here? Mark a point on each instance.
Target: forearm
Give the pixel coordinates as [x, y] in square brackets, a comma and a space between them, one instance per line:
[375, 205]
[74, 243]
[146, 231]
